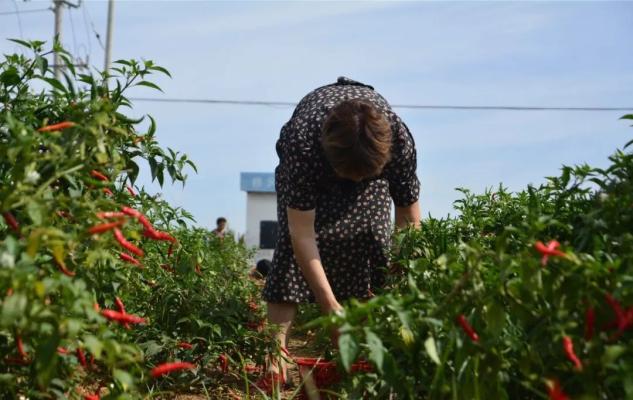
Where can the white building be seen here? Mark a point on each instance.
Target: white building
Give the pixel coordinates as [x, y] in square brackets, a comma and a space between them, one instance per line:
[261, 212]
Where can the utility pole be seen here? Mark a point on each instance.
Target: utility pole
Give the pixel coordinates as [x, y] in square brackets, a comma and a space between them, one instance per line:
[58, 6]
[57, 62]
[108, 49]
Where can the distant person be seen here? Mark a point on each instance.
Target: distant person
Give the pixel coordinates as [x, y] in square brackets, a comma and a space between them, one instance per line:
[344, 157]
[261, 269]
[220, 230]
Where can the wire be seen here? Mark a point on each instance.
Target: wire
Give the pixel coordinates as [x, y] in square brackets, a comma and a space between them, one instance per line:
[72, 28]
[93, 27]
[403, 106]
[88, 38]
[17, 13]
[24, 11]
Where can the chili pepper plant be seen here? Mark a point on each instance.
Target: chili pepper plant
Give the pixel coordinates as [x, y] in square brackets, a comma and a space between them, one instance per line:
[524, 295]
[103, 284]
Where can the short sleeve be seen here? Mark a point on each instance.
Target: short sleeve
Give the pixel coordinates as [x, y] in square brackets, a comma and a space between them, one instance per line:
[404, 185]
[297, 167]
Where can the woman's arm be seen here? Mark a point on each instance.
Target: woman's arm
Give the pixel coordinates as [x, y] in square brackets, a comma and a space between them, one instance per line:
[303, 236]
[409, 215]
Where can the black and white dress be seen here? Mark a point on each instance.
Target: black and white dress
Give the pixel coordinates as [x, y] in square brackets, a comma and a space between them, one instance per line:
[353, 220]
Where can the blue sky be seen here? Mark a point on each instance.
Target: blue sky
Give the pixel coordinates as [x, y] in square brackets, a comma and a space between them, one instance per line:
[459, 53]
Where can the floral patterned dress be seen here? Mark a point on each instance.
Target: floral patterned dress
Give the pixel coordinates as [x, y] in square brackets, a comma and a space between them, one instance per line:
[353, 220]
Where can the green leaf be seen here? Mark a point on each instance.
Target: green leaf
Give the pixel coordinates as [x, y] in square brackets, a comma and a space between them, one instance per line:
[93, 345]
[69, 63]
[376, 349]
[161, 69]
[495, 318]
[21, 42]
[133, 171]
[124, 379]
[349, 350]
[54, 83]
[42, 64]
[13, 308]
[149, 84]
[35, 212]
[627, 116]
[153, 166]
[10, 77]
[431, 349]
[46, 360]
[192, 165]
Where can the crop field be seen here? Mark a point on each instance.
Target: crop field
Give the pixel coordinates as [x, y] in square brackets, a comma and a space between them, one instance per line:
[107, 291]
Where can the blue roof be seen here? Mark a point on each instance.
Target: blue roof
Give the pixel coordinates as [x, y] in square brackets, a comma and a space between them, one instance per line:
[263, 182]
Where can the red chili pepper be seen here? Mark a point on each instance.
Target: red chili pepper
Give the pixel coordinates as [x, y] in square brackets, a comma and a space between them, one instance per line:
[100, 228]
[170, 250]
[130, 190]
[167, 237]
[131, 212]
[568, 346]
[110, 214]
[11, 221]
[61, 266]
[185, 345]
[56, 127]
[98, 175]
[590, 319]
[108, 191]
[119, 304]
[470, 332]
[62, 351]
[198, 270]
[128, 258]
[224, 363]
[122, 318]
[145, 222]
[118, 235]
[253, 306]
[549, 250]
[121, 307]
[555, 391]
[150, 234]
[20, 346]
[166, 368]
[623, 318]
[81, 357]
[92, 397]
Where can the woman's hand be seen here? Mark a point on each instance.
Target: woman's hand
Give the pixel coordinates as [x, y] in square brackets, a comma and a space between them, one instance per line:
[330, 307]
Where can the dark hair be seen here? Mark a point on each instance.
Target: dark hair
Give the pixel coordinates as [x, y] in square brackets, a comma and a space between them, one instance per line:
[219, 220]
[263, 267]
[356, 139]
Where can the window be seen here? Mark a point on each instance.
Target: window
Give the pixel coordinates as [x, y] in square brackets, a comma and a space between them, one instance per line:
[268, 231]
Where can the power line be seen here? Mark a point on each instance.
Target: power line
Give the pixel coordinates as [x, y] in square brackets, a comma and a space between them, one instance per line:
[24, 11]
[88, 38]
[94, 29]
[17, 13]
[72, 28]
[403, 106]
